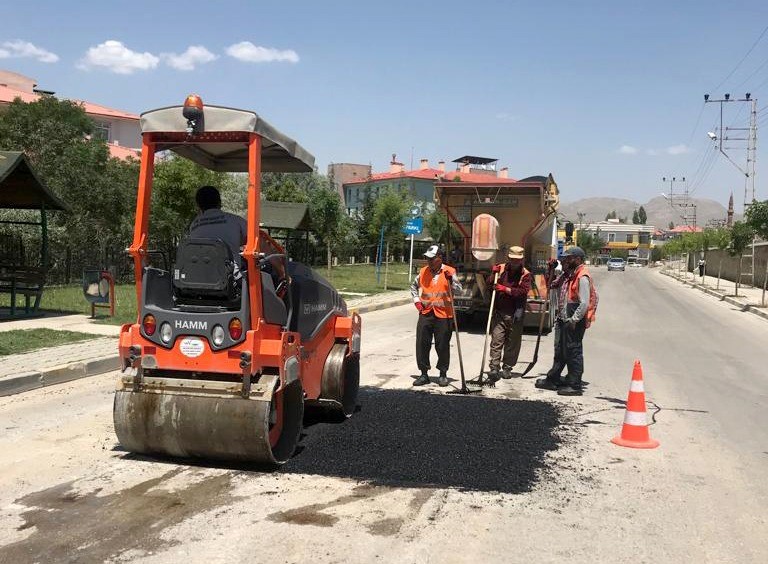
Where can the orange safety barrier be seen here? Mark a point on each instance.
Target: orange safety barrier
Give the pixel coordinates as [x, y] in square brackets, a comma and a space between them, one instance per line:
[634, 432]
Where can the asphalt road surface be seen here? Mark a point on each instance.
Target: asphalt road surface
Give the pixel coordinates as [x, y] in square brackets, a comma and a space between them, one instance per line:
[514, 475]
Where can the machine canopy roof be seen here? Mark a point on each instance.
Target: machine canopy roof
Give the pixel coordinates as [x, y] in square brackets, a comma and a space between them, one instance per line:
[279, 153]
[20, 188]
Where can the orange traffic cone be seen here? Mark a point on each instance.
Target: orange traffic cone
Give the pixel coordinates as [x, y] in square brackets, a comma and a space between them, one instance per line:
[634, 432]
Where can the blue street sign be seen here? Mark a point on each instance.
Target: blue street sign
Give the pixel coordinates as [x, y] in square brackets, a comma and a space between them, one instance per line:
[414, 226]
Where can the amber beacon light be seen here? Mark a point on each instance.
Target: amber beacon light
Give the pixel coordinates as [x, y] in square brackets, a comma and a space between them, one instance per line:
[193, 112]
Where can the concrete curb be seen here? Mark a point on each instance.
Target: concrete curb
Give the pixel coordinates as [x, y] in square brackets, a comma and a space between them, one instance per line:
[385, 305]
[743, 306]
[58, 375]
[67, 372]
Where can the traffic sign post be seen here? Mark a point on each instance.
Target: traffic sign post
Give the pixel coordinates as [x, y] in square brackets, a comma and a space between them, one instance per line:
[413, 227]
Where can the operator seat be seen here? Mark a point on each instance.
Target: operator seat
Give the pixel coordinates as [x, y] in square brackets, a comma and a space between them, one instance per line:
[206, 273]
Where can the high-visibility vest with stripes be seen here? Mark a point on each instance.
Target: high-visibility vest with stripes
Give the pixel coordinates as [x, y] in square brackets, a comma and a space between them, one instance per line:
[573, 293]
[434, 292]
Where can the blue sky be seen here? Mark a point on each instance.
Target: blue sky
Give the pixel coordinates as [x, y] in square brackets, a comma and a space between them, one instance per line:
[608, 96]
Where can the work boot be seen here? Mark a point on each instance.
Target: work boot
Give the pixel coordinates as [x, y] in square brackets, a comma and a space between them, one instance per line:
[493, 376]
[442, 380]
[547, 384]
[572, 387]
[422, 380]
[506, 372]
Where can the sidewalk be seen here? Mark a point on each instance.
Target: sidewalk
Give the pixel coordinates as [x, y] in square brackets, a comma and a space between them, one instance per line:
[55, 365]
[748, 300]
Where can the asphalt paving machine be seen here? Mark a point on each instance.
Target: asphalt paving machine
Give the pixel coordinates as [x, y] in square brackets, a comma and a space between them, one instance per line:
[227, 350]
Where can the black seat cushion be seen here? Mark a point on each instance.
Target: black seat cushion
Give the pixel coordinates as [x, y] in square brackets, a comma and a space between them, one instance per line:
[205, 268]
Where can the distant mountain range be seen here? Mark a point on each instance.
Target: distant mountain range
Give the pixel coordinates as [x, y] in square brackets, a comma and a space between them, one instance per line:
[659, 211]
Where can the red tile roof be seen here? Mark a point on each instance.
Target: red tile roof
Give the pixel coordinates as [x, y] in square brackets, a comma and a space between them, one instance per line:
[685, 229]
[432, 173]
[8, 94]
[123, 153]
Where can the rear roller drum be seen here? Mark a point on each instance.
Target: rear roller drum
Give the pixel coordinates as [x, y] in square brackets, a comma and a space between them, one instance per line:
[341, 381]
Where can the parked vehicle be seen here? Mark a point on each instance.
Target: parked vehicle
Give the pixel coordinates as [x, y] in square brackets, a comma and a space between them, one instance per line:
[524, 214]
[616, 264]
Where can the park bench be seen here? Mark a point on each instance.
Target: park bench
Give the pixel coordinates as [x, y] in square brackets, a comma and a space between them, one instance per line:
[22, 280]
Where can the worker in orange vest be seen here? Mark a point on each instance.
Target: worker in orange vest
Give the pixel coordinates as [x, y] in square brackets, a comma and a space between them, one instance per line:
[431, 296]
[576, 303]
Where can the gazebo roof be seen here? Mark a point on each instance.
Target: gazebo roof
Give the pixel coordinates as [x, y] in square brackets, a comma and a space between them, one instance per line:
[284, 215]
[20, 188]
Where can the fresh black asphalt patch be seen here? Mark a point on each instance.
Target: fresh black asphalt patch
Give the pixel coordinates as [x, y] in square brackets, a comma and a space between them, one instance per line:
[420, 439]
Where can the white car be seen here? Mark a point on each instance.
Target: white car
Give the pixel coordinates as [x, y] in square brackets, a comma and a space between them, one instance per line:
[616, 264]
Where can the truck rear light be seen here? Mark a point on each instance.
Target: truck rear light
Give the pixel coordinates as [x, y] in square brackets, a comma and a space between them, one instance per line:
[235, 329]
[149, 324]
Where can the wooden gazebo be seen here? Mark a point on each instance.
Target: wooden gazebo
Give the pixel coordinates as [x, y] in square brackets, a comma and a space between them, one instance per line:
[21, 189]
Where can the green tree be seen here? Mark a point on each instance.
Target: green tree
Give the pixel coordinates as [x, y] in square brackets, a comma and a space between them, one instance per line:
[611, 215]
[390, 213]
[741, 238]
[328, 219]
[285, 191]
[642, 216]
[635, 217]
[99, 190]
[440, 229]
[757, 218]
[671, 224]
[173, 204]
[591, 243]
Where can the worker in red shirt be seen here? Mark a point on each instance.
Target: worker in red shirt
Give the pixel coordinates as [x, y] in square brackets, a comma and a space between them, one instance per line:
[511, 289]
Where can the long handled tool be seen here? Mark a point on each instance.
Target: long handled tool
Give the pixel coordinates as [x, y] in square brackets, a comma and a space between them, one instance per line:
[463, 390]
[479, 380]
[542, 312]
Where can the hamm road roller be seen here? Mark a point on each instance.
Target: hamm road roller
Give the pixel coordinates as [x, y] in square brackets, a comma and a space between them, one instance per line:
[228, 347]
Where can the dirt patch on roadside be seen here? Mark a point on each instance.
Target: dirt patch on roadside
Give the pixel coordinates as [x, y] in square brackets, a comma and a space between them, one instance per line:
[72, 526]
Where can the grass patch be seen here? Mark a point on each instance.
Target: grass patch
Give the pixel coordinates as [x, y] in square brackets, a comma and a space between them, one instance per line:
[359, 278]
[25, 340]
[362, 278]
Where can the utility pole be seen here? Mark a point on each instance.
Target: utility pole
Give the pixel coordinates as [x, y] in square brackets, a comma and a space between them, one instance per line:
[747, 260]
[682, 201]
[751, 142]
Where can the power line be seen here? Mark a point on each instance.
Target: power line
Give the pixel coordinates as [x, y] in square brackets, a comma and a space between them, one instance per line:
[742, 60]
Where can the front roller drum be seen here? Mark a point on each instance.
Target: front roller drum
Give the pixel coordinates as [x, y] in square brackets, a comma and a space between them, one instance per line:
[201, 425]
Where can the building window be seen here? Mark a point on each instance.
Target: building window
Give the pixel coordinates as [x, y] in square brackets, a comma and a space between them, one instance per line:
[630, 238]
[644, 238]
[611, 237]
[102, 130]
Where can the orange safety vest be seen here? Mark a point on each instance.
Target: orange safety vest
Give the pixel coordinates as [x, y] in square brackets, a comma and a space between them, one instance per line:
[573, 293]
[434, 292]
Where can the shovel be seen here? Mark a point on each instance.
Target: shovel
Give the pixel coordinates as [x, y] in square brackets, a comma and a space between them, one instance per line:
[463, 390]
[479, 380]
[542, 313]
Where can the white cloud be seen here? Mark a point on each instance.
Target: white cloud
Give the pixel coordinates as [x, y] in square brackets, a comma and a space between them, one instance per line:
[628, 150]
[504, 116]
[25, 49]
[248, 52]
[678, 150]
[193, 56]
[115, 57]
[651, 152]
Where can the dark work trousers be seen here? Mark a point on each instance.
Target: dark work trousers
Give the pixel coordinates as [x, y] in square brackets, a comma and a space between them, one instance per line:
[427, 327]
[569, 352]
[506, 337]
